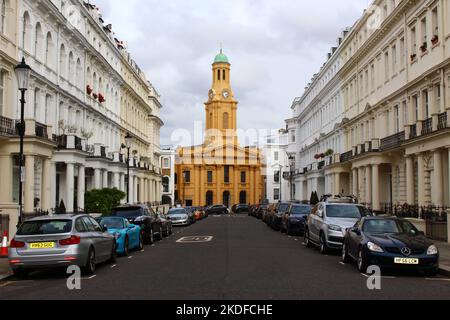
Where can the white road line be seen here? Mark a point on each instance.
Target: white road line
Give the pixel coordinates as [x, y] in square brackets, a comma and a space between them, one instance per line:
[341, 263]
[365, 275]
[142, 250]
[112, 267]
[91, 277]
[130, 257]
[437, 279]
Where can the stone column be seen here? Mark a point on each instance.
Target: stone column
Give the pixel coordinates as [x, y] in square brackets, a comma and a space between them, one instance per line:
[70, 182]
[142, 190]
[410, 191]
[46, 185]
[97, 179]
[369, 196]
[136, 191]
[29, 184]
[130, 188]
[438, 186]
[105, 179]
[122, 183]
[376, 187]
[355, 182]
[337, 183]
[81, 186]
[361, 186]
[116, 180]
[421, 179]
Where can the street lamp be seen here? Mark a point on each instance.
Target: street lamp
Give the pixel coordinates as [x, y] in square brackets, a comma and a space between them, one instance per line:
[127, 145]
[23, 73]
[291, 174]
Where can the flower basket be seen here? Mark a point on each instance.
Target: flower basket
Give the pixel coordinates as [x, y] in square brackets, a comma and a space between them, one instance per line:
[413, 57]
[95, 96]
[317, 156]
[424, 47]
[89, 90]
[435, 40]
[101, 98]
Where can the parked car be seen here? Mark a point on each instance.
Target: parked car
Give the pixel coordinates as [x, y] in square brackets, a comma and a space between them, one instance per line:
[217, 209]
[60, 241]
[262, 209]
[144, 217]
[179, 217]
[390, 243]
[166, 224]
[191, 213]
[277, 216]
[294, 221]
[268, 214]
[328, 222]
[128, 236]
[240, 208]
[252, 210]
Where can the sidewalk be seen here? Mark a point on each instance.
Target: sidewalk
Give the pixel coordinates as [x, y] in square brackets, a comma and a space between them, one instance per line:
[444, 250]
[5, 270]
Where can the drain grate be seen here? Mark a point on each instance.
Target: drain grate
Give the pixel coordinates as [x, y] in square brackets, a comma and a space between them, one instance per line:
[195, 239]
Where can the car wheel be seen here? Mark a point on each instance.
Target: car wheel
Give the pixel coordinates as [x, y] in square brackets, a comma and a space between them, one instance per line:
[307, 240]
[141, 242]
[345, 257]
[323, 245]
[126, 250]
[89, 268]
[362, 263]
[160, 235]
[113, 257]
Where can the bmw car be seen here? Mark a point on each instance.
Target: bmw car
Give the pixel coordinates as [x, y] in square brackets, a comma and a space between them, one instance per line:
[390, 243]
[128, 236]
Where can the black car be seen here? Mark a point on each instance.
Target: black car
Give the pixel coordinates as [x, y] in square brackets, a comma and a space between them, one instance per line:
[262, 209]
[191, 214]
[277, 217]
[144, 217]
[240, 208]
[217, 209]
[390, 243]
[166, 224]
[294, 221]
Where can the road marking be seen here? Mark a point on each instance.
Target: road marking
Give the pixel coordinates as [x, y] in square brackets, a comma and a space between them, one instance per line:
[341, 263]
[437, 279]
[365, 275]
[90, 278]
[195, 239]
[130, 257]
[112, 267]
[142, 250]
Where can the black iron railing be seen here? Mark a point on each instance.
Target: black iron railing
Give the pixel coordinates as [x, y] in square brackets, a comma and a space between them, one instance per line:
[103, 152]
[7, 126]
[427, 126]
[393, 141]
[442, 121]
[41, 130]
[78, 144]
[345, 157]
[363, 149]
[413, 132]
[321, 165]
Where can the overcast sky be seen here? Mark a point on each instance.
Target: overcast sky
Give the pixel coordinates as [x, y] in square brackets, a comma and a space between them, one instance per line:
[274, 48]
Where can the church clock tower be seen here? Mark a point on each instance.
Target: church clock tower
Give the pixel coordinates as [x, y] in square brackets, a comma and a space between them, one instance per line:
[221, 106]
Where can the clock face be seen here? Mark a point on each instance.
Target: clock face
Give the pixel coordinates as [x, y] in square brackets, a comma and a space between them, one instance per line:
[226, 94]
[211, 94]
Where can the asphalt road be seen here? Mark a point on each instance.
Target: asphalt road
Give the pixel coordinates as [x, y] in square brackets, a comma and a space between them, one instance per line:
[243, 260]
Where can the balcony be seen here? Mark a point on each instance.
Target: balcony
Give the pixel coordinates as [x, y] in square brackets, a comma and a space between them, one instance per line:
[321, 165]
[413, 132]
[345, 157]
[69, 142]
[103, 152]
[7, 126]
[427, 126]
[442, 121]
[392, 142]
[41, 130]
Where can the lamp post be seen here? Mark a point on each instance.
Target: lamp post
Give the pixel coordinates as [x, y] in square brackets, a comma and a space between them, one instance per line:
[127, 145]
[291, 174]
[23, 73]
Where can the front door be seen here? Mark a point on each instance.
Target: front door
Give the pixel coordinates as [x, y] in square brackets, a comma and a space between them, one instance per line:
[226, 199]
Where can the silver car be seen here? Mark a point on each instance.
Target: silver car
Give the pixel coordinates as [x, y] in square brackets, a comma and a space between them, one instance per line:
[60, 241]
[328, 222]
[179, 217]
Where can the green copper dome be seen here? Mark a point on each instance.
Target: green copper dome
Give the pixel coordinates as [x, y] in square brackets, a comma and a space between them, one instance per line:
[221, 58]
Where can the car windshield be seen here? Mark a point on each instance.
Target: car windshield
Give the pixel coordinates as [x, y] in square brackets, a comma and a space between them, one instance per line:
[347, 211]
[112, 223]
[389, 226]
[45, 227]
[283, 207]
[300, 210]
[177, 211]
[127, 212]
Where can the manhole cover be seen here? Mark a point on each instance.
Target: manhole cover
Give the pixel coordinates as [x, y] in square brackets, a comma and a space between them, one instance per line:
[195, 239]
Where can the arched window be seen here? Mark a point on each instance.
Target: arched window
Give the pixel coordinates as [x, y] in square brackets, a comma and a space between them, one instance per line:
[243, 197]
[49, 56]
[209, 198]
[38, 41]
[224, 74]
[226, 199]
[166, 184]
[226, 120]
[78, 77]
[210, 119]
[71, 68]
[62, 61]
[26, 37]
[218, 75]
[37, 104]
[48, 105]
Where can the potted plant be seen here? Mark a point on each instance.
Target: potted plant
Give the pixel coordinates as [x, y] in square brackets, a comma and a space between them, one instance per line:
[95, 96]
[435, 39]
[329, 152]
[101, 98]
[89, 90]
[317, 156]
[413, 57]
[424, 47]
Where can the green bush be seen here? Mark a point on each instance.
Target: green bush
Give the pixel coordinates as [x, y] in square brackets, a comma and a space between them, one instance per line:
[103, 200]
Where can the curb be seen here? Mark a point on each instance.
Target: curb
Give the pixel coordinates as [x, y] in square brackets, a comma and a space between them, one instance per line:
[5, 276]
[445, 271]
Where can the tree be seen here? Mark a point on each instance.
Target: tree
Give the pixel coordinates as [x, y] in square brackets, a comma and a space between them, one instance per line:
[103, 200]
[61, 209]
[314, 198]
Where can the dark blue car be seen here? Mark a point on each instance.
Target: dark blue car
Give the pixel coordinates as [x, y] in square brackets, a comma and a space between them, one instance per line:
[294, 221]
[390, 243]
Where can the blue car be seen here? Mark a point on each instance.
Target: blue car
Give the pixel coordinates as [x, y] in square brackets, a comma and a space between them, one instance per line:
[128, 236]
[390, 243]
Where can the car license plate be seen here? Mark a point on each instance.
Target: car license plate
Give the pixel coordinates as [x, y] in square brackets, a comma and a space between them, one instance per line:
[406, 261]
[42, 245]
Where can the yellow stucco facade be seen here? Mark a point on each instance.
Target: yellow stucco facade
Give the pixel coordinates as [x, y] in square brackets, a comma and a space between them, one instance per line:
[219, 171]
